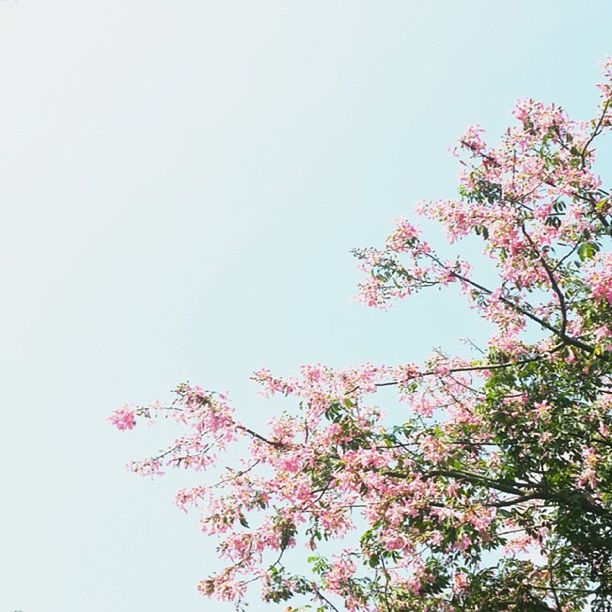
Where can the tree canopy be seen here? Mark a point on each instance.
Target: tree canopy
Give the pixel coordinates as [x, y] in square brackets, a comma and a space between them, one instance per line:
[493, 489]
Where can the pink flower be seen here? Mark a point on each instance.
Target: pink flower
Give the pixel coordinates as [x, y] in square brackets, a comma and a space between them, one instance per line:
[403, 237]
[123, 418]
[542, 410]
[472, 140]
[599, 277]
[341, 572]
[460, 582]
[463, 543]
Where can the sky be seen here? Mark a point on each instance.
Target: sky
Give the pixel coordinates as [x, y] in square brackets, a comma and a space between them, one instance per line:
[181, 184]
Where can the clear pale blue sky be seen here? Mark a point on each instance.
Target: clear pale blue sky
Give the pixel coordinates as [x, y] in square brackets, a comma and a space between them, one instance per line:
[181, 183]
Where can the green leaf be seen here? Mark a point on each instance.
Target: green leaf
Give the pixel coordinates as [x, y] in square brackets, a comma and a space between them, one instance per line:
[587, 250]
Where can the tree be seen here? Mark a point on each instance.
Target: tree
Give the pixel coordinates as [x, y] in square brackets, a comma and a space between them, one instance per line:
[495, 493]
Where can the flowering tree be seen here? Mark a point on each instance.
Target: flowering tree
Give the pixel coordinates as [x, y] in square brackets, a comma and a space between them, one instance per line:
[495, 491]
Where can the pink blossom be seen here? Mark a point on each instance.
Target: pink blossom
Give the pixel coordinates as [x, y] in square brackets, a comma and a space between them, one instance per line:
[123, 418]
[460, 582]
